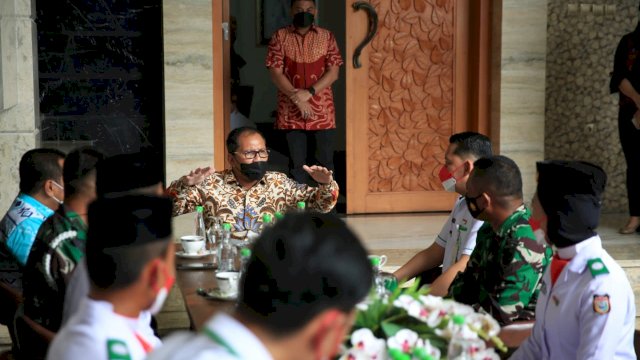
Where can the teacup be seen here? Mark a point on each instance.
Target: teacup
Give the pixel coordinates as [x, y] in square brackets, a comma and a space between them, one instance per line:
[382, 259]
[228, 282]
[192, 244]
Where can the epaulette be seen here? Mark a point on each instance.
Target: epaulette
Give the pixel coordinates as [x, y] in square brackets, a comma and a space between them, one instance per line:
[597, 267]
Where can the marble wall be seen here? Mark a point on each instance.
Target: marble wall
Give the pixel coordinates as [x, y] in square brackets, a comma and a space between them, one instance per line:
[581, 114]
[18, 125]
[522, 92]
[188, 78]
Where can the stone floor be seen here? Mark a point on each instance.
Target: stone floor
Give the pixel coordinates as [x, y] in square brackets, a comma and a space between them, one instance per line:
[399, 236]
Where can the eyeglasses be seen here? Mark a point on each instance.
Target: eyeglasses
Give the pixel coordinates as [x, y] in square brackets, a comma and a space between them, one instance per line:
[250, 155]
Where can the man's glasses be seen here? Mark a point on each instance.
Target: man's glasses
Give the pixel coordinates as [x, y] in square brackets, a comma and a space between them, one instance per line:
[250, 155]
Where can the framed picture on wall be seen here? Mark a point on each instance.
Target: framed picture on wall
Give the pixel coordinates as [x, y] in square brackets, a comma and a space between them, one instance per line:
[270, 16]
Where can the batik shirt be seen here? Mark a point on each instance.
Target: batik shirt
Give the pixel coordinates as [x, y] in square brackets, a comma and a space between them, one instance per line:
[505, 270]
[304, 59]
[18, 230]
[223, 197]
[59, 246]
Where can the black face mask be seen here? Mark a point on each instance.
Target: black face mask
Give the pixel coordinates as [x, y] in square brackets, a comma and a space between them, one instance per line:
[472, 205]
[255, 170]
[303, 19]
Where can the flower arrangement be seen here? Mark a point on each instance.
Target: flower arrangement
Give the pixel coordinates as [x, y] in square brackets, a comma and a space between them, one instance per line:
[409, 324]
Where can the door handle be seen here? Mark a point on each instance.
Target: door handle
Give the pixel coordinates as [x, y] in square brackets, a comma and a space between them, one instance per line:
[373, 29]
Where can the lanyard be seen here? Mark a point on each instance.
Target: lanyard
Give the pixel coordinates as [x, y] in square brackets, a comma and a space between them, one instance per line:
[220, 341]
[145, 345]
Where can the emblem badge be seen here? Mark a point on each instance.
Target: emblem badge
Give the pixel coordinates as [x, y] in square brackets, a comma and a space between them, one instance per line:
[601, 304]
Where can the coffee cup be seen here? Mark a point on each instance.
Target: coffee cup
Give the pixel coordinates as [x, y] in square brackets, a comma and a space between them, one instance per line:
[228, 282]
[192, 244]
[378, 260]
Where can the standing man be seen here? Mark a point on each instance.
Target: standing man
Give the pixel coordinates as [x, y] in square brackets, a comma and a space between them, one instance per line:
[130, 258]
[303, 60]
[586, 308]
[504, 273]
[457, 239]
[41, 192]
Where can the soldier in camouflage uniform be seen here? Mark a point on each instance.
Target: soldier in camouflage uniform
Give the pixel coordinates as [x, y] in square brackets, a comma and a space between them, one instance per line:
[504, 272]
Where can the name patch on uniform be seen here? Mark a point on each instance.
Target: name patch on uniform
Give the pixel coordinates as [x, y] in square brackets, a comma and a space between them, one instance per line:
[117, 350]
[601, 304]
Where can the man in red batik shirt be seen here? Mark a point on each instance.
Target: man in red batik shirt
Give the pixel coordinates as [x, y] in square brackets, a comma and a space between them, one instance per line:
[303, 60]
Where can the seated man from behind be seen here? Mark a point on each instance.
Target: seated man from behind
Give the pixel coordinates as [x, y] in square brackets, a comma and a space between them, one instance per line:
[130, 258]
[586, 308]
[119, 175]
[457, 239]
[41, 192]
[242, 194]
[504, 274]
[304, 278]
[60, 242]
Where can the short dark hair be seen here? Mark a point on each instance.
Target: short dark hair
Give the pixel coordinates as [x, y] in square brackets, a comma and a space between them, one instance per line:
[125, 234]
[499, 176]
[38, 166]
[143, 170]
[78, 164]
[305, 264]
[471, 144]
[232, 138]
[295, 1]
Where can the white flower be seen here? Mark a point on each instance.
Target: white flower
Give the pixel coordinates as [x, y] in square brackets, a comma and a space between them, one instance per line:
[484, 322]
[419, 311]
[457, 329]
[460, 348]
[428, 348]
[431, 302]
[354, 354]
[404, 340]
[363, 341]
[486, 354]
[404, 301]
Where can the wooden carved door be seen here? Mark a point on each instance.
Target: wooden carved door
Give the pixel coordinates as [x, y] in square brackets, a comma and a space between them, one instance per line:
[403, 103]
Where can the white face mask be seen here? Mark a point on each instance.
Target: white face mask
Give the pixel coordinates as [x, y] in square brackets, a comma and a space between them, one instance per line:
[61, 188]
[447, 179]
[159, 301]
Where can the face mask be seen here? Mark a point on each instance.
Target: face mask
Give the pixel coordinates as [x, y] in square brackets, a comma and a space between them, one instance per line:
[537, 231]
[472, 205]
[447, 179]
[303, 19]
[55, 198]
[162, 296]
[255, 170]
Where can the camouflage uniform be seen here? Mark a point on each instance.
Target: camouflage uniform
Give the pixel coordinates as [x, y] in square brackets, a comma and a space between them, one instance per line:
[59, 246]
[504, 273]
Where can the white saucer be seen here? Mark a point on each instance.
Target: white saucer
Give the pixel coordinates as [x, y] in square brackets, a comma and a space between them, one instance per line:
[182, 254]
[214, 294]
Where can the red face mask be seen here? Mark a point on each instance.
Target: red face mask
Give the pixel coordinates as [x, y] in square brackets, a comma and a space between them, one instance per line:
[447, 179]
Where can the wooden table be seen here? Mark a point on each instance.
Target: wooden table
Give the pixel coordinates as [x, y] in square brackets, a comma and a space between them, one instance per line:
[199, 308]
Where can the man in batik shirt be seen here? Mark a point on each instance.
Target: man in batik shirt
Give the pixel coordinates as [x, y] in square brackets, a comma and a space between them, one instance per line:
[60, 243]
[303, 60]
[243, 194]
[504, 273]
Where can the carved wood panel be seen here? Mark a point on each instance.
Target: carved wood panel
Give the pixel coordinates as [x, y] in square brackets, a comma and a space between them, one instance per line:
[411, 94]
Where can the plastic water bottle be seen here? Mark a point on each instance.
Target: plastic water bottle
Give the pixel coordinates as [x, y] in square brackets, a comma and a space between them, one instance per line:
[200, 229]
[267, 221]
[226, 251]
[245, 254]
[301, 206]
[279, 216]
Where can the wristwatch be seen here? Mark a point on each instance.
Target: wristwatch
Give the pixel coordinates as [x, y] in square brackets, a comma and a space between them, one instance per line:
[311, 90]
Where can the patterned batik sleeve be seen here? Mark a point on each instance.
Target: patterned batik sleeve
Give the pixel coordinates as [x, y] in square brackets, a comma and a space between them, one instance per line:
[333, 57]
[516, 294]
[275, 53]
[321, 198]
[185, 198]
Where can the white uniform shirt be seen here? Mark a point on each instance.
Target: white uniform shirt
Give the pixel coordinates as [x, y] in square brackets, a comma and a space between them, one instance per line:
[458, 235]
[223, 338]
[588, 314]
[95, 332]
